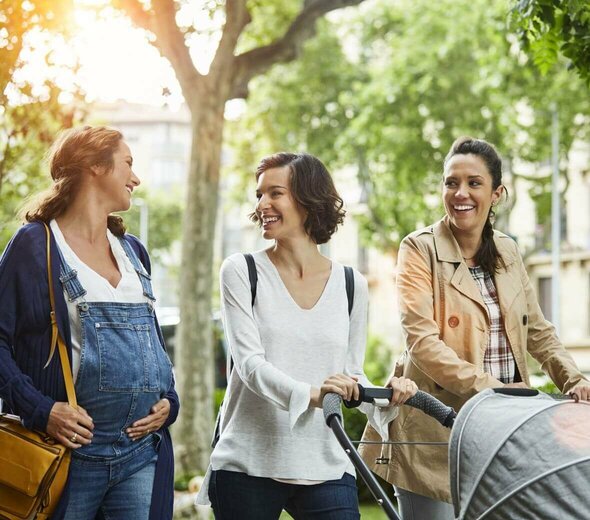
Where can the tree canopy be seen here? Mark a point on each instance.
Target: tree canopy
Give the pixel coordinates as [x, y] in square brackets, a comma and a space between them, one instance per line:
[424, 74]
[550, 28]
[31, 111]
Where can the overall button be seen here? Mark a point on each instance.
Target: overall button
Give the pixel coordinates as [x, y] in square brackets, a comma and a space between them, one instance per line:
[453, 321]
[84, 307]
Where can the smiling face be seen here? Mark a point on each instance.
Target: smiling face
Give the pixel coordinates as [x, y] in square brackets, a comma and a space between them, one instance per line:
[468, 193]
[118, 184]
[280, 214]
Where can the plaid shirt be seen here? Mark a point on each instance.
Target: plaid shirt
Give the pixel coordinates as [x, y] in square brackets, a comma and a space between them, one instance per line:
[498, 360]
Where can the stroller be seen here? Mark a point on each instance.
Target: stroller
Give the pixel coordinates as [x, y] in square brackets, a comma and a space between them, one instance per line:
[532, 461]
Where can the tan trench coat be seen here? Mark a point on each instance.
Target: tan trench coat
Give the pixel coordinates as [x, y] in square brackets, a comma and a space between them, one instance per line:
[445, 325]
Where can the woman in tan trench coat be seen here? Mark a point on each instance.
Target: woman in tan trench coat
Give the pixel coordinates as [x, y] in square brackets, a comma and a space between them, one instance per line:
[469, 316]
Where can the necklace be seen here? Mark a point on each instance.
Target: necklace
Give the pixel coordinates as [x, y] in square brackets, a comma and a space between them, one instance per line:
[470, 258]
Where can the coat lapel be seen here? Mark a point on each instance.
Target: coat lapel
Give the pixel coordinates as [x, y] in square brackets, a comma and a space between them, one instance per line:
[447, 250]
[465, 284]
[507, 281]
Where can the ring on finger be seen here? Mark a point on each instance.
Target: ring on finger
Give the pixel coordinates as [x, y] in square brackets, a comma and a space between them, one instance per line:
[73, 438]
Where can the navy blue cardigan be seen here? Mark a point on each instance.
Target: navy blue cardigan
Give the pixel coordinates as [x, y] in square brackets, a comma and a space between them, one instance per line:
[28, 389]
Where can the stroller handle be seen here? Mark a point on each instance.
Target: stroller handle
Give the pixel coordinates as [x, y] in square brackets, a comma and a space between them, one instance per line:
[333, 415]
[429, 404]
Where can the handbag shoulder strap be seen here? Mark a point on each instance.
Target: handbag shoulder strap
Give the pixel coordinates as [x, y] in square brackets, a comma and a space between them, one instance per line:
[55, 335]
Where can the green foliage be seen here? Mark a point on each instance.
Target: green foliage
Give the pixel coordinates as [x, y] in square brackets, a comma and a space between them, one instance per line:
[549, 388]
[31, 112]
[17, 19]
[181, 480]
[295, 107]
[218, 399]
[165, 212]
[269, 21]
[26, 132]
[378, 360]
[425, 73]
[436, 71]
[549, 28]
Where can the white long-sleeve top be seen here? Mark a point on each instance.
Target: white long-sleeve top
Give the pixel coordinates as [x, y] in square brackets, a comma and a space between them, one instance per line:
[280, 351]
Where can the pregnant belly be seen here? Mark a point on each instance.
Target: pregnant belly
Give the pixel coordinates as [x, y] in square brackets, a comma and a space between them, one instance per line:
[112, 413]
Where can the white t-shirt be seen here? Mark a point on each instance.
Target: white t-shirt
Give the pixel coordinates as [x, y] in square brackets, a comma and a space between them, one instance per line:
[98, 289]
[280, 351]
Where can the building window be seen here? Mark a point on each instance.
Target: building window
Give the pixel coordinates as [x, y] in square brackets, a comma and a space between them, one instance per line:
[545, 296]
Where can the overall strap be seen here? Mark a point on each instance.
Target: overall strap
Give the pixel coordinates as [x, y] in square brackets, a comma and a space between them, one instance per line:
[69, 279]
[349, 277]
[144, 277]
[55, 335]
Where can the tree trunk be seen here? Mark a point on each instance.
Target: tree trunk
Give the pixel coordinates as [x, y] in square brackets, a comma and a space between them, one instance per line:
[194, 357]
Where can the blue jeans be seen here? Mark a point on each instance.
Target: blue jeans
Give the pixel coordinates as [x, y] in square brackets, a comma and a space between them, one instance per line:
[238, 496]
[114, 490]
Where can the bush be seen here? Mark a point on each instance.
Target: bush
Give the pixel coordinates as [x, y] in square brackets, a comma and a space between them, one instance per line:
[181, 481]
[549, 388]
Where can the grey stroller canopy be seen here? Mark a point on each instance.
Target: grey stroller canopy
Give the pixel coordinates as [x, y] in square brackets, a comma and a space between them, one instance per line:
[514, 457]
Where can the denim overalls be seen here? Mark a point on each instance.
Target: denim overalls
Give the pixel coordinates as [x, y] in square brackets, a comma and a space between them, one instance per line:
[124, 370]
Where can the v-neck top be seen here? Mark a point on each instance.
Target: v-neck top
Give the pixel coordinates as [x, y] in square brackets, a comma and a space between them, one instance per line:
[288, 295]
[98, 288]
[280, 351]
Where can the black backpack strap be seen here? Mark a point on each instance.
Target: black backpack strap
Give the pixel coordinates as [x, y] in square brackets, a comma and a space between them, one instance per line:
[349, 276]
[252, 274]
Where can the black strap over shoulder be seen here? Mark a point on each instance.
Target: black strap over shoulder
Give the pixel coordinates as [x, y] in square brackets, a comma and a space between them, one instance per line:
[349, 276]
[252, 274]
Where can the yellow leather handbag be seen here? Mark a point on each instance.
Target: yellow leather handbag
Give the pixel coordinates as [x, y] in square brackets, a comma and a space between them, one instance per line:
[33, 465]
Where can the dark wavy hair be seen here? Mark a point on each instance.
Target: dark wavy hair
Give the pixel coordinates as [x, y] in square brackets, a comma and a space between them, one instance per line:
[313, 189]
[487, 256]
[74, 152]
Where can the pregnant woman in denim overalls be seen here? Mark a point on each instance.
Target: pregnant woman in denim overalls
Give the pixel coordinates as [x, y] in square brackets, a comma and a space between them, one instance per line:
[121, 448]
[123, 372]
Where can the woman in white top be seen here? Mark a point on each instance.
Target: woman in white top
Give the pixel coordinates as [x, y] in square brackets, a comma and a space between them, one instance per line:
[289, 347]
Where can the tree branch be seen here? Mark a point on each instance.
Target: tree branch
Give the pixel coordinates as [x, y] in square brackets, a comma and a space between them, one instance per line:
[170, 40]
[286, 48]
[160, 20]
[237, 17]
[138, 15]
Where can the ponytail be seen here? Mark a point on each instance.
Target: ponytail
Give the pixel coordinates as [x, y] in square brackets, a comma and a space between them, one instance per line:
[116, 225]
[488, 257]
